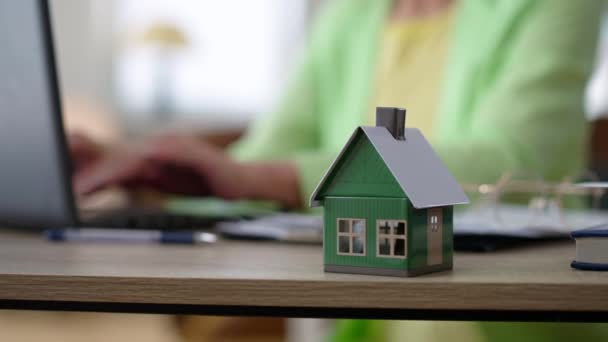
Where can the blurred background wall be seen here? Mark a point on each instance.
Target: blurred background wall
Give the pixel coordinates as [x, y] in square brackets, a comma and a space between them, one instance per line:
[213, 65]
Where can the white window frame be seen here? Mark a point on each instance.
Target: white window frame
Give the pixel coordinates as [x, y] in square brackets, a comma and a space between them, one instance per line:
[392, 237]
[435, 219]
[351, 236]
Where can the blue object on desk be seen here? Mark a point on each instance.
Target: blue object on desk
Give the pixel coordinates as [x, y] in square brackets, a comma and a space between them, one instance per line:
[591, 248]
[589, 266]
[596, 231]
[128, 236]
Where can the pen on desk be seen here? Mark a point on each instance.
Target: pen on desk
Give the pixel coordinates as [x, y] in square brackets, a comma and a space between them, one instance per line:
[128, 236]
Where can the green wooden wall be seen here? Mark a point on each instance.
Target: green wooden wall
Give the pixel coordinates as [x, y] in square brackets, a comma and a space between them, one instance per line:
[448, 234]
[369, 209]
[417, 244]
[372, 209]
[361, 172]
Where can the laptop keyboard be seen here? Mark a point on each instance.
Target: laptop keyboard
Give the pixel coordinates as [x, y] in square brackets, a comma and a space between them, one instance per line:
[147, 219]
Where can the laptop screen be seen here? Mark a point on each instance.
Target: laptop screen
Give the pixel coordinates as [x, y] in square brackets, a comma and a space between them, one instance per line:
[35, 186]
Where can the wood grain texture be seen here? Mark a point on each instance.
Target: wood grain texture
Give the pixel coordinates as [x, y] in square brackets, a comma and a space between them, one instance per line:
[285, 275]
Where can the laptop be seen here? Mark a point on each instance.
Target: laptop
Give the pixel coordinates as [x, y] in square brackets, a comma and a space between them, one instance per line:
[35, 177]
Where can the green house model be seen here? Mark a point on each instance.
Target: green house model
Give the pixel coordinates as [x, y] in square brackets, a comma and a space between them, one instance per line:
[388, 203]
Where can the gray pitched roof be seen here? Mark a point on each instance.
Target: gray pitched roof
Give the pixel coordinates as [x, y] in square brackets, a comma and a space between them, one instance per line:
[416, 168]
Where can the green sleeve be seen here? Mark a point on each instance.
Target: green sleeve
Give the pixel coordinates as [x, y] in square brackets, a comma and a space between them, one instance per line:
[531, 118]
[292, 131]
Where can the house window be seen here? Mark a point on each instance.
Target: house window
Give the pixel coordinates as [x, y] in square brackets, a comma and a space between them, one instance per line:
[434, 223]
[351, 236]
[391, 239]
[435, 220]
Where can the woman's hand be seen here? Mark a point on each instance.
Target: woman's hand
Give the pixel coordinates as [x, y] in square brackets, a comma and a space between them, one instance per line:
[84, 151]
[189, 166]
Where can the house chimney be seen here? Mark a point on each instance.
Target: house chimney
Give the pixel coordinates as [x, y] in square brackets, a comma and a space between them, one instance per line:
[393, 119]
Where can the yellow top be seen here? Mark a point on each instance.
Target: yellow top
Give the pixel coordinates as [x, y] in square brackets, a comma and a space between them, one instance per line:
[409, 74]
[410, 68]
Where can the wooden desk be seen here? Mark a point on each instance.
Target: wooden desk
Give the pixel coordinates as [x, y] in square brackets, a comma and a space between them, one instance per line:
[249, 278]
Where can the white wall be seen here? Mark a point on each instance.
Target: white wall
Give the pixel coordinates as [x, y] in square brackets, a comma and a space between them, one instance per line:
[238, 56]
[83, 41]
[241, 57]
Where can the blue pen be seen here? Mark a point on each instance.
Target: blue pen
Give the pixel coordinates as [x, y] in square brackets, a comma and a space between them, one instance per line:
[128, 236]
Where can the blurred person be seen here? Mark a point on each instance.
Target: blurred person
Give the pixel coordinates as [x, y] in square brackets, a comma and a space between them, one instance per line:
[496, 86]
[509, 98]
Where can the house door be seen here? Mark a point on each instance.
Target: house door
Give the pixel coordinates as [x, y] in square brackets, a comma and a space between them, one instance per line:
[434, 236]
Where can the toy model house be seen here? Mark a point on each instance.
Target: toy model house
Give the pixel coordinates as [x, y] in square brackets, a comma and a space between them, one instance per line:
[387, 203]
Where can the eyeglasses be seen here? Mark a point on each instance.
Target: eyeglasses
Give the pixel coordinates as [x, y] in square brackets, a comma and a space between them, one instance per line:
[526, 199]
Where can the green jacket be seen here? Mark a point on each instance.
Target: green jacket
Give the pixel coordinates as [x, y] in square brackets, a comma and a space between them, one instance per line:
[512, 100]
[512, 96]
